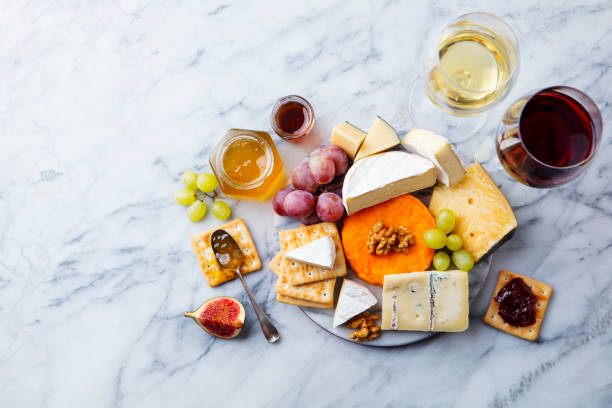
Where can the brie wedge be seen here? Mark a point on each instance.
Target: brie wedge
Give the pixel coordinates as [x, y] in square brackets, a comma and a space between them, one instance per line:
[354, 299]
[449, 169]
[320, 252]
[384, 176]
[381, 137]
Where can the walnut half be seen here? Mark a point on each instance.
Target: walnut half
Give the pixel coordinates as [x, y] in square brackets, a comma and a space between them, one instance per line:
[366, 324]
[382, 239]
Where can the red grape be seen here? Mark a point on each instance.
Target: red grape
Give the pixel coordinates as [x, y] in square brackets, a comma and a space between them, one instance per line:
[330, 207]
[299, 204]
[311, 219]
[322, 168]
[338, 156]
[278, 201]
[301, 178]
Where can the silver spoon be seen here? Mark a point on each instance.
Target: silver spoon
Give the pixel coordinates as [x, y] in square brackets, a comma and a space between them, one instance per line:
[230, 256]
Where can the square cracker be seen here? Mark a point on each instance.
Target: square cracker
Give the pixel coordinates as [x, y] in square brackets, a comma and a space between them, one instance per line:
[542, 292]
[210, 268]
[302, 303]
[318, 292]
[298, 273]
[275, 263]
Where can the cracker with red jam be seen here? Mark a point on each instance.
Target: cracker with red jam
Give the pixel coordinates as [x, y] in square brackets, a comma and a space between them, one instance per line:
[518, 305]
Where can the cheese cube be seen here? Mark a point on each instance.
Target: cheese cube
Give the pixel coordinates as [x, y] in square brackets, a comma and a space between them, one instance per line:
[381, 137]
[406, 302]
[385, 176]
[483, 216]
[449, 170]
[449, 291]
[348, 138]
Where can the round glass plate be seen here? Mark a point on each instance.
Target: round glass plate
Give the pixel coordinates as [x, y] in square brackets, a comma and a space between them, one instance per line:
[324, 317]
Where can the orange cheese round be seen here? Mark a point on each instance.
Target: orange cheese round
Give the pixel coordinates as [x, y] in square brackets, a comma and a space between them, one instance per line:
[404, 210]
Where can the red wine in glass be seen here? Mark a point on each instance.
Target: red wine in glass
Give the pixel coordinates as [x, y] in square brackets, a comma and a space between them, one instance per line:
[548, 137]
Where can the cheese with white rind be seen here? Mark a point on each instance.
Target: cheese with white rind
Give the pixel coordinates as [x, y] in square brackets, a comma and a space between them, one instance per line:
[449, 291]
[348, 138]
[381, 137]
[353, 299]
[483, 217]
[426, 301]
[384, 176]
[438, 149]
[320, 252]
[406, 303]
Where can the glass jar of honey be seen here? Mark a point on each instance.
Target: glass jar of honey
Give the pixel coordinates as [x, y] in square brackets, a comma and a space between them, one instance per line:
[247, 165]
[292, 118]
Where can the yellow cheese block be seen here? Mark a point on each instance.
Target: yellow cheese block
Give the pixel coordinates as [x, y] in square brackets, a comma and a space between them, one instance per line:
[381, 137]
[483, 216]
[348, 138]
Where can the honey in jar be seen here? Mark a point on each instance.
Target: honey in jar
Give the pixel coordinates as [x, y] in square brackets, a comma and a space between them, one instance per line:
[247, 165]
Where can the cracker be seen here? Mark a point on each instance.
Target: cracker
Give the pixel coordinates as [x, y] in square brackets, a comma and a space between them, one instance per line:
[206, 258]
[319, 292]
[298, 273]
[542, 292]
[275, 263]
[302, 303]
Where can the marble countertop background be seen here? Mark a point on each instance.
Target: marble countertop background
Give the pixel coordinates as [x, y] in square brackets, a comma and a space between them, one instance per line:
[103, 104]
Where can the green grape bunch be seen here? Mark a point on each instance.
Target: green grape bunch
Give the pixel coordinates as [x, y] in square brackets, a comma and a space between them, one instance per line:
[198, 188]
[437, 238]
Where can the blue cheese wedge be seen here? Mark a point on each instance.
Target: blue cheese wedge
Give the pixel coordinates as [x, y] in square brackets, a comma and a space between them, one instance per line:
[384, 176]
[426, 301]
[406, 302]
[320, 252]
[449, 170]
[353, 299]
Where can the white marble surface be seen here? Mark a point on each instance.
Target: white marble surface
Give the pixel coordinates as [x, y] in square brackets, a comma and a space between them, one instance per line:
[105, 103]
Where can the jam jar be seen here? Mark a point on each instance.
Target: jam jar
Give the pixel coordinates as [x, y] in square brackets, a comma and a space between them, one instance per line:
[247, 165]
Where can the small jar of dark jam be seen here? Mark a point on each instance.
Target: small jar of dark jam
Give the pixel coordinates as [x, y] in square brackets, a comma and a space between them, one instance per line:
[292, 118]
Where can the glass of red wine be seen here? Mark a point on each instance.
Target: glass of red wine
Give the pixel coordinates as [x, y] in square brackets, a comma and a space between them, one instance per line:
[548, 137]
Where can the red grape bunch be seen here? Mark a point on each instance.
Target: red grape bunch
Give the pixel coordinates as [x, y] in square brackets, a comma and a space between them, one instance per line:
[309, 199]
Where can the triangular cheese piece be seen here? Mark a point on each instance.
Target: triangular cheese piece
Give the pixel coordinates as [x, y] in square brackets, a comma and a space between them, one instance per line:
[320, 252]
[354, 299]
[381, 137]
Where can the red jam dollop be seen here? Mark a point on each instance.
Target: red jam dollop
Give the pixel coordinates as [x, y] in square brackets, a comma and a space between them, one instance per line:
[516, 303]
[222, 317]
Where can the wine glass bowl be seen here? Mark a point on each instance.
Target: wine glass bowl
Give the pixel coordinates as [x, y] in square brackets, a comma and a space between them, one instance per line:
[547, 138]
[472, 64]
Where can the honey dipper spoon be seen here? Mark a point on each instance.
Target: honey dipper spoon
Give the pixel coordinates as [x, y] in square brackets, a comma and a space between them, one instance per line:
[230, 256]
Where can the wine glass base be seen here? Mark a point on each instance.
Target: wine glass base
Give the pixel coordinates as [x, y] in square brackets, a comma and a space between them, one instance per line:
[424, 114]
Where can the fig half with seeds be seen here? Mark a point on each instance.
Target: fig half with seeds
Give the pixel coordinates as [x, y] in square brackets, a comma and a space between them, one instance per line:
[220, 316]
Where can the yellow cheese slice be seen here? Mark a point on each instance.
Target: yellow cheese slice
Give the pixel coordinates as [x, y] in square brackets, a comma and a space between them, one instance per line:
[381, 137]
[483, 216]
[348, 138]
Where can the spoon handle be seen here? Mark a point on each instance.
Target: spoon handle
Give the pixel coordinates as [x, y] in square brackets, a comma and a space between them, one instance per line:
[266, 325]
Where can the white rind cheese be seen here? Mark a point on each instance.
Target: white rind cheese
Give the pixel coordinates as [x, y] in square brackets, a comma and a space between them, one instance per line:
[384, 176]
[426, 301]
[320, 252]
[353, 299]
[436, 148]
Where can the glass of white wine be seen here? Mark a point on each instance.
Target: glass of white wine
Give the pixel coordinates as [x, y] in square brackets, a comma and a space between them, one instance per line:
[467, 68]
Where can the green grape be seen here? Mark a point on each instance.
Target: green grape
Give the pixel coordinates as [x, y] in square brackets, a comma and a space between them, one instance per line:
[190, 178]
[435, 238]
[463, 260]
[454, 242]
[207, 182]
[221, 210]
[441, 261]
[184, 196]
[445, 221]
[196, 211]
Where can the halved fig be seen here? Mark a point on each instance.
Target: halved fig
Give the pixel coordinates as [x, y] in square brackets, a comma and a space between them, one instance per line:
[220, 316]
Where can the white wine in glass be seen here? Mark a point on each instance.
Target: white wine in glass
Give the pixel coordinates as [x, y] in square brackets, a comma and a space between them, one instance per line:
[467, 68]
